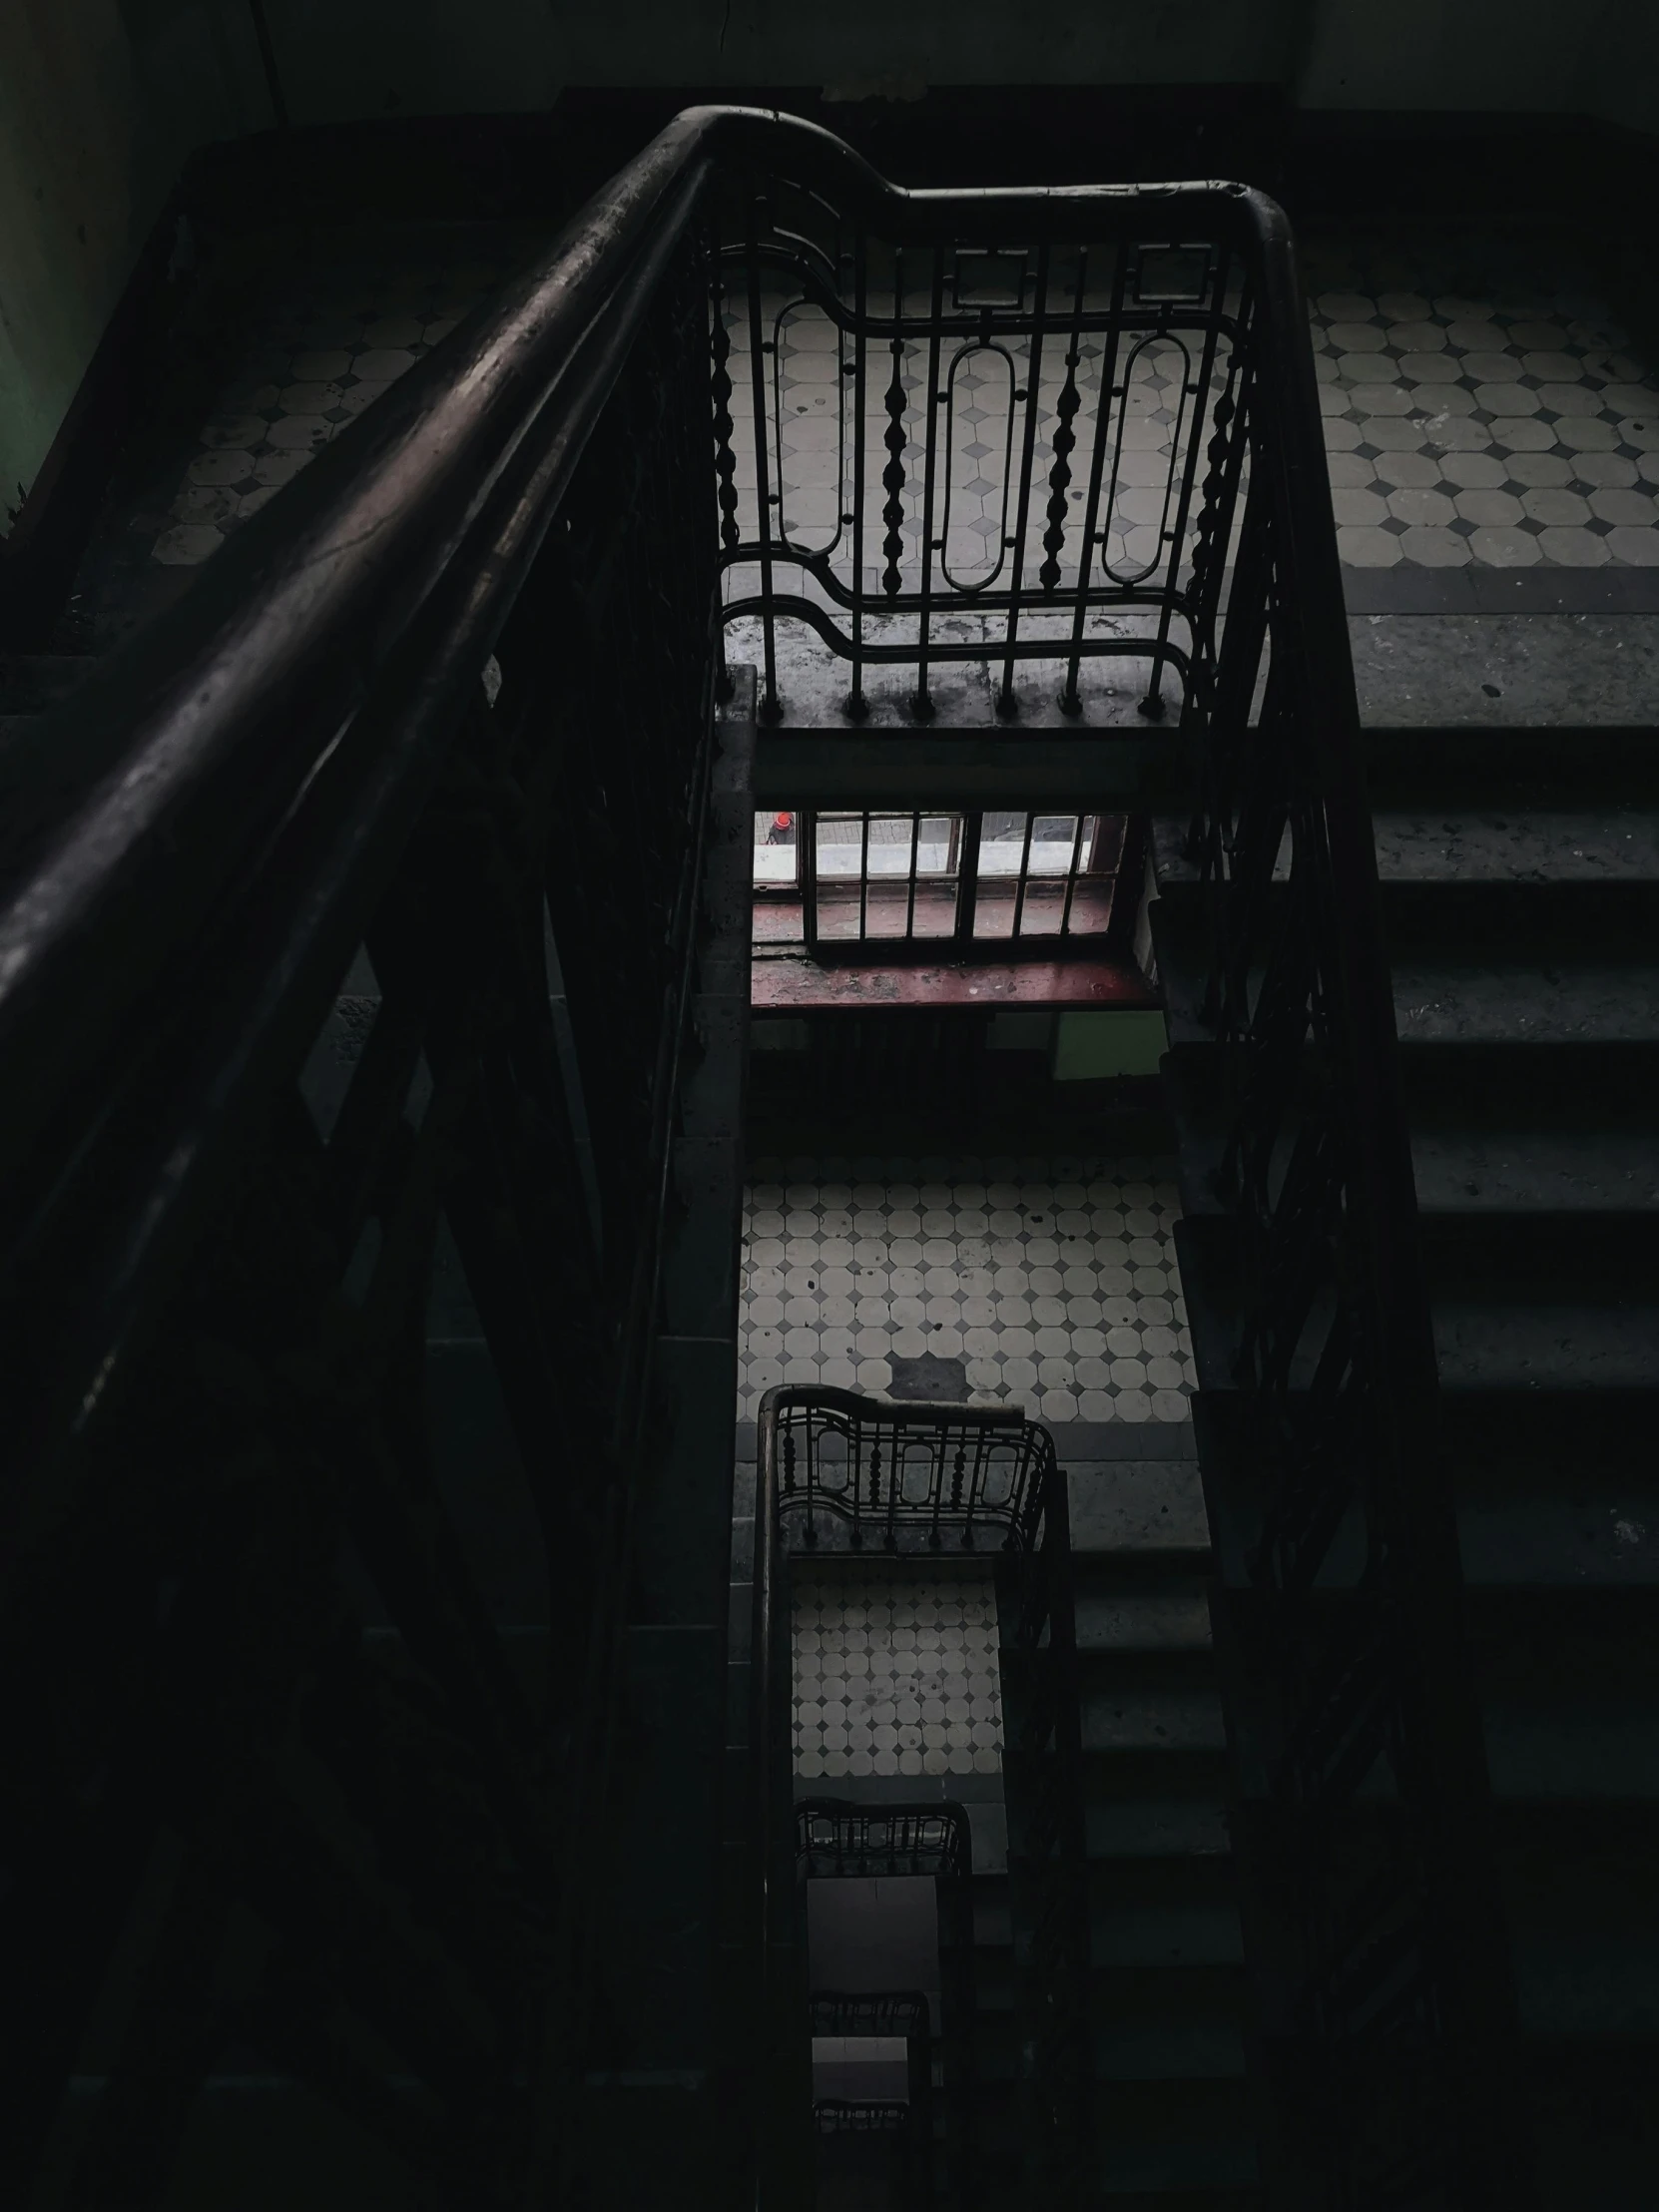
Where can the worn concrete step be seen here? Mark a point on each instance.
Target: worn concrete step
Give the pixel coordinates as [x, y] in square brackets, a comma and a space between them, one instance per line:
[1119, 1717]
[1168, 1618]
[1150, 1828]
[1201, 2053]
[1493, 1329]
[1509, 768]
[1604, 1088]
[1169, 1934]
[1479, 1148]
[1463, 1169]
[1516, 845]
[1182, 2168]
[1150, 1508]
[1545, 964]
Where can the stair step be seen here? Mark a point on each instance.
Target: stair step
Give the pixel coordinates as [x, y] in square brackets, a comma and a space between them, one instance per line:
[1440, 844]
[1509, 768]
[1149, 1829]
[1468, 1169]
[1130, 1718]
[1125, 1623]
[1139, 1506]
[1129, 2049]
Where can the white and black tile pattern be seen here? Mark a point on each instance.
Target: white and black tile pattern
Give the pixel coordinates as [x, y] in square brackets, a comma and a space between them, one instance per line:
[895, 1677]
[321, 346]
[1044, 1282]
[1511, 431]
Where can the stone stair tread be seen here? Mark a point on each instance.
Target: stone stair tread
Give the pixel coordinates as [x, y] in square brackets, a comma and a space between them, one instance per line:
[1174, 1619]
[1149, 1829]
[1138, 1505]
[1614, 1347]
[1151, 1720]
[1470, 1169]
[1520, 844]
[1168, 1935]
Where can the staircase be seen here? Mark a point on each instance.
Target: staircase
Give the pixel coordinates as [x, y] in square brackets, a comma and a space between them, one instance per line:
[1171, 2119]
[1520, 899]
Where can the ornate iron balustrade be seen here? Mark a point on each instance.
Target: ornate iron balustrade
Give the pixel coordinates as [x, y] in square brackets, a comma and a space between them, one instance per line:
[214, 1284]
[902, 1475]
[834, 1836]
[901, 2013]
[862, 2116]
[276, 998]
[868, 342]
[1373, 1922]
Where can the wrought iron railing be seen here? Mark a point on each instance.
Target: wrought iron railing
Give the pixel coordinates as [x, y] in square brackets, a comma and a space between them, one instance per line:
[900, 2016]
[214, 1286]
[836, 1836]
[1372, 1918]
[994, 427]
[274, 999]
[901, 1477]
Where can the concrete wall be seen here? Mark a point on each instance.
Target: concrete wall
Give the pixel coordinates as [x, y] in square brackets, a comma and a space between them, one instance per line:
[100, 103]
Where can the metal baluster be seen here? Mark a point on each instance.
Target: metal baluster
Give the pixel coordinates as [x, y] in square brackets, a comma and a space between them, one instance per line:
[922, 705]
[892, 476]
[771, 710]
[855, 704]
[864, 877]
[1071, 702]
[1006, 704]
[1059, 476]
[726, 460]
[1152, 704]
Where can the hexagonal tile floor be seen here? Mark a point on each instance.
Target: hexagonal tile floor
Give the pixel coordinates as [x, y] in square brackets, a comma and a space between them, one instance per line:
[895, 1677]
[1052, 1279]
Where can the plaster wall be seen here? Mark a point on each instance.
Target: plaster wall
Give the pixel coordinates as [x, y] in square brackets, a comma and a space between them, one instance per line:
[100, 103]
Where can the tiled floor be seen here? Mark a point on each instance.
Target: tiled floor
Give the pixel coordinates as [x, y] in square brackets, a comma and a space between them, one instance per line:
[1479, 410]
[1511, 428]
[321, 347]
[1051, 1281]
[895, 1678]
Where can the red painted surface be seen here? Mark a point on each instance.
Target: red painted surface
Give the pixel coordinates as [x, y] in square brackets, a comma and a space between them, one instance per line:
[781, 983]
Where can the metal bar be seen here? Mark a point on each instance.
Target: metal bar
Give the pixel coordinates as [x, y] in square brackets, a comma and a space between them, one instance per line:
[967, 881]
[1005, 700]
[771, 710]
[806, 834]
[267, 63]
[923, 706]
[1070, 700]
[1024, 866]
[1071, 878]
[863, 876]
[915, 856]
[1152, 704]
[860, 276]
